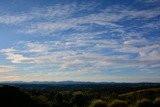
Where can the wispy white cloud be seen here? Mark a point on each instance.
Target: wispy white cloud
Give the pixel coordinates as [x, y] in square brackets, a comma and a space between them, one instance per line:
[14, 19]
[37, 47]
[53, 19]
[7, 68]
[67, 54]
[15, 57]
[10, 78]
[136, 41]
[150, 1]
[105, 18]
[155, 25]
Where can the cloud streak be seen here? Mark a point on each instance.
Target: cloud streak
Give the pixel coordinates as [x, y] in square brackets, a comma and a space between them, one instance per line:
[7, 68]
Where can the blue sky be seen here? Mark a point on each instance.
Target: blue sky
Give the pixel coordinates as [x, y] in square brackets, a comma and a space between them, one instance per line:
[80, 40]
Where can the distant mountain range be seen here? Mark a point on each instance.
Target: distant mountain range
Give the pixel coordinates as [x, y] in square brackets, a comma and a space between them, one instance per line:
[47, 82]
[68, 82]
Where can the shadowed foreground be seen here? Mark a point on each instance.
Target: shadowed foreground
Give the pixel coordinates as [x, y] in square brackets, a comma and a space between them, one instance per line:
[13, 97]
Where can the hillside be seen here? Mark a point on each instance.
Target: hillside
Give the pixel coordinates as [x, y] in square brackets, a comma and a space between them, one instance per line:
[107, 95]
[150, 93]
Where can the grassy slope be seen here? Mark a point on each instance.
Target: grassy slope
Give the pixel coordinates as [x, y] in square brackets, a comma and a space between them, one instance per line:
[145, 93]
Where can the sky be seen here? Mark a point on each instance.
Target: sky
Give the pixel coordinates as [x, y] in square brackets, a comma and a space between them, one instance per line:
[80, 40]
